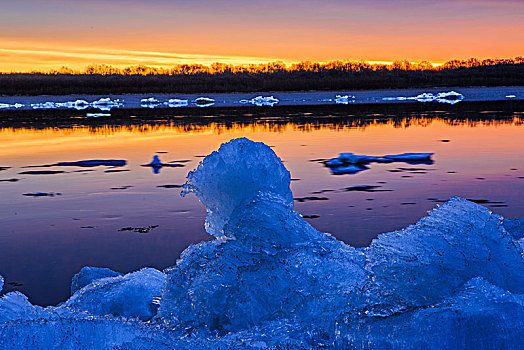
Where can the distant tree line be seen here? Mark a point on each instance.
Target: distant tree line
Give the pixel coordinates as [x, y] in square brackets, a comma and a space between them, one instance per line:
[274, 76]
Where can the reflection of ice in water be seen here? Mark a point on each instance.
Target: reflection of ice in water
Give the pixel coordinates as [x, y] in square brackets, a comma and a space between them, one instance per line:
[450, 97]
[175, 102]
[346, 99]
[262, 101]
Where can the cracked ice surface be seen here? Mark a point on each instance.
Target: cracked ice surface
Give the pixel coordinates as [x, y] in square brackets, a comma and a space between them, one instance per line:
[455, 279]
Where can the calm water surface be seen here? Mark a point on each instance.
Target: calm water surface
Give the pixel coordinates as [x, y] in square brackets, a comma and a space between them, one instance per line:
[44, 241]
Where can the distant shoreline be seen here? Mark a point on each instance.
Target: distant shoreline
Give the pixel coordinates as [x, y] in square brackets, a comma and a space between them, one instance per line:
[336, 78]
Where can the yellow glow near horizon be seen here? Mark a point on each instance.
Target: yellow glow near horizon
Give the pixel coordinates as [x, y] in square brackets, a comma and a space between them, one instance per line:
[28, 56]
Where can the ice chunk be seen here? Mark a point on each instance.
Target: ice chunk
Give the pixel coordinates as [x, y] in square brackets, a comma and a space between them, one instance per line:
[204, 102]
[156, 164]
[410, 157]
[262, 101]
[450, 97]
[106, 104]
[349, 163]
[347, 169]
[15, 306]
[97, 115]
[7, 105]
[356, 159]
[175, 103]
[131, 295]
[480, 316]
[238, 164]
[346, 99]
[421, 264]
[80, 104]
[45, 105]
[150, 102]
[1, 283]
[89, 274]
[511, 96]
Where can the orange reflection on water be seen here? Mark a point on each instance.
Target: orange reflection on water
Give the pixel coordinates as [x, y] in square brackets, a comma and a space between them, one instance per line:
[20, 146]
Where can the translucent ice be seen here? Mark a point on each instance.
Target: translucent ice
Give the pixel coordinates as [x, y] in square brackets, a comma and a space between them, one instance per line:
[131, 295]
[89, 274]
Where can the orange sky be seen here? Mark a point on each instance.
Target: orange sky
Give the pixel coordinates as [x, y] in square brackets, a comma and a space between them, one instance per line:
[46, 34]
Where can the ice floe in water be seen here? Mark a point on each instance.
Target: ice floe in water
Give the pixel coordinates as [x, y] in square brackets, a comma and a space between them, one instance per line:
[175, 103]
[11, 106]
[349, 163]
[149, 102]
[103, 104]
[204, 102]
[346, 99]
[450, 97]
[262, 101]
[156, 164]
[269, 279]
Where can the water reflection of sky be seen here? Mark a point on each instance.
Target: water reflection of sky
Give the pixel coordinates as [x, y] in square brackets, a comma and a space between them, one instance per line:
[46, 239]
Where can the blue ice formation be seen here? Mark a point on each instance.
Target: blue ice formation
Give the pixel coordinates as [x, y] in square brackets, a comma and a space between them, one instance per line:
[451, 97]
[455, 279]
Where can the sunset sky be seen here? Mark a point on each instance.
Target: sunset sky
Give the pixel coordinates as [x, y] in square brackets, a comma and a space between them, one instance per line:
[46, 34]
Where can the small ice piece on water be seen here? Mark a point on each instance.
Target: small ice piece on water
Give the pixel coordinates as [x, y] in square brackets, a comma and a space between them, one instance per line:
[150, 102]
[409, 157]
[425, 97]
[175, 103]
[89, 274]
[97, 115]
[1, 283]
[451, 97]
[262, 101]
[346, 99]
[511, 96]
[156, 161]
[156, 164]
[45, 105]
[356, 158]
[204, 102]
[347, 169]
[105, 104]
[80, 104]
[6, 105]
[131, 295]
